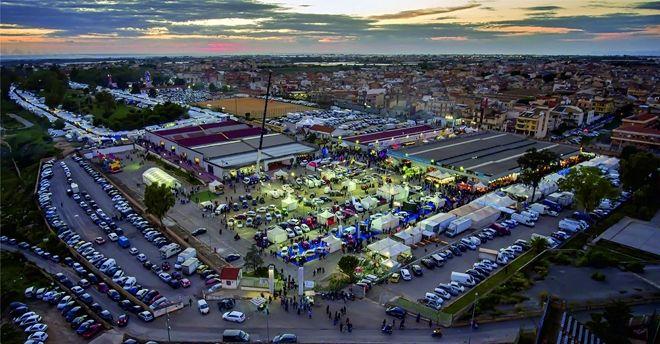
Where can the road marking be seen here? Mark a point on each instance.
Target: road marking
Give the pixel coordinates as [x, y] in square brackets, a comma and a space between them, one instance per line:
[655, 285]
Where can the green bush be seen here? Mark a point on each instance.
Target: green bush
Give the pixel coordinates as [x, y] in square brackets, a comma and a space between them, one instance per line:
[597, 258]
[598, 276]
[637, 267]
[561, 258]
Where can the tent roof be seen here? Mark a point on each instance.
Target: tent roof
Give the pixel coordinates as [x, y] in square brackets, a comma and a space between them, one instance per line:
[155, 174]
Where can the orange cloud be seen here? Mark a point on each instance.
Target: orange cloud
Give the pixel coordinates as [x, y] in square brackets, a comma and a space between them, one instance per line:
[449, 38]
[648, 31]
[336, 39]
[528, 30]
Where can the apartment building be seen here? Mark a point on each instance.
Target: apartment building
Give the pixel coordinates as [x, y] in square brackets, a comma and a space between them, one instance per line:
[641, 130]
[603, 106]
[533, 122]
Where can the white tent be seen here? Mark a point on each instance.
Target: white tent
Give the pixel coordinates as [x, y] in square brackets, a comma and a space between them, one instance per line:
[280, 174]
[389, 248]
[290, 203]
[369, 202]
[522, 191]
[156, 175]
[404, 237]
[206, 205]
[349, 184]
[326, 218]
[328, 174]
[277, 235]
[388, 191]
[333, 243]
[216, 186]
[387, 221]
[416, 234]
[439, 177]
[484, 217]
[495, 200]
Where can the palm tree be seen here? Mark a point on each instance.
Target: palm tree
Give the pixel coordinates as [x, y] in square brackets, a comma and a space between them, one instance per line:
[538, 244]
[534, 165]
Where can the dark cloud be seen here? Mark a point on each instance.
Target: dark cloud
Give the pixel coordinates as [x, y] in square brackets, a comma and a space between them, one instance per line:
[543, 8]
[651, 5]
[424, 12]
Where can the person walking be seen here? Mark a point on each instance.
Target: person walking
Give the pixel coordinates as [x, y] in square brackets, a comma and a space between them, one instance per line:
[341, 327]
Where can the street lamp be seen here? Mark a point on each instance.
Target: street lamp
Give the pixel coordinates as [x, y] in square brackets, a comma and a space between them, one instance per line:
[474, 308]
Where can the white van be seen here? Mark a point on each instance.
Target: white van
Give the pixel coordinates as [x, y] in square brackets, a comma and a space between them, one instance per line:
[569, 226]
[522, 219]
[463, 278]
[432, 297]
[531, 214]
[539, 208]
[108, 264]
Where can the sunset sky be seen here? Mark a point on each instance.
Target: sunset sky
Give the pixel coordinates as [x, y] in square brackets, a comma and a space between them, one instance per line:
[207, 27]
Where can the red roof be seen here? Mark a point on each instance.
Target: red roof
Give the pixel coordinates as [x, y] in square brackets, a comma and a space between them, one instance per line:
[641, 117]
[322, 128]
[389, 134]
[638, 129]
[230, 273]
[219, 137]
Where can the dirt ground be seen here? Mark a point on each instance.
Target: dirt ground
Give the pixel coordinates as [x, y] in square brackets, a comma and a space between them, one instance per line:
[254, 106]
[59, 331]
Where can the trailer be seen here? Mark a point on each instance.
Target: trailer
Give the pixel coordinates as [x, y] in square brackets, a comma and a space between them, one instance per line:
[186, 254]
[458, 226]
[189, 266]
[438, 223]
[74, 188]
[169, 250]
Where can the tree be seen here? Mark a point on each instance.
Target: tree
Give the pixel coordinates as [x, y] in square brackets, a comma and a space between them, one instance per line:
[612, 325]
[347, 265]
[538, 244]
[159, 199]
[153, 93]
[535, 165]
[252, 259]
[639, 169]
[588, 185]
[135, 88]
[59, 124]
[213, 88]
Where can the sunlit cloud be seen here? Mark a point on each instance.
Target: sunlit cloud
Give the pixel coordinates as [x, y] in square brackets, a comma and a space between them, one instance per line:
[221, 22]
[336, 39]
[649, 31]
[521, 30]
[449, 38]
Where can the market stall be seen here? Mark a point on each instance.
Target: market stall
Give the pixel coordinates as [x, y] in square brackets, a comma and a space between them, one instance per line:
[216, 187]
[369, 202]
[389, 248]
[332, 243]
[404, 237]
[415, 233]
[156, 175]
[385, 222]
[289, 203]
[277, 235]
[439, 177]
[280, 174]
[349, 184]
[326, 218]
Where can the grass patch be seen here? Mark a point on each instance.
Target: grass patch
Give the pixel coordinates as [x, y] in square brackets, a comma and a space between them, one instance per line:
[18, 274]
[490, 283]
[204, 196]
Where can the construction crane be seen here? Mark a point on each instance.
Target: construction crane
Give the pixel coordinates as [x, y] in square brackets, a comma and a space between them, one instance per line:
[263, 126]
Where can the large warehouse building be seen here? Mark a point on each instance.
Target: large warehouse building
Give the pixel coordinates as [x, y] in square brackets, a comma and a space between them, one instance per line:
[484, 155]
[224, 147]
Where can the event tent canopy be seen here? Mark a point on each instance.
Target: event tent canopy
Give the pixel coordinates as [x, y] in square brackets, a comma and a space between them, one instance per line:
[326, 217]
[333, 243]
[277, 235]
[280, 174]
[404, 237]
[156, 175]
[215, 186]
[387, 221]
[290, 203]
[389, 248]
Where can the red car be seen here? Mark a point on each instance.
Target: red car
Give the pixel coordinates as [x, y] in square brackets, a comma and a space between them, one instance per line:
[212, 281]
[185, 283]
[92, 331]
[103, 288]
[165, 266]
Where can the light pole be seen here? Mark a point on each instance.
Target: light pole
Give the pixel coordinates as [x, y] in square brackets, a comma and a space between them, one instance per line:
[474, 308]
[167, 324]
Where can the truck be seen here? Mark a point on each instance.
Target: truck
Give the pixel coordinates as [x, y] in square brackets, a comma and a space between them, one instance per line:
[492, 255]
[552, 205]
[438, 223]
[463, 278]
[564, 198]
[520, 218]
[123, 242]
[458, 226]
[74, 188]
[169, 250]
[539, 208]
[189, 266]
[186, 254]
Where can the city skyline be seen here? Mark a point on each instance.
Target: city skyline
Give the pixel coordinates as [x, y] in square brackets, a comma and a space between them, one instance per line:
[294, 26]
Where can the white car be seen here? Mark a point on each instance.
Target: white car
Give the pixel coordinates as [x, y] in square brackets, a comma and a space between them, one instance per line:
[133, 251]
[290, 233]
[234, 316]
[203, 306]
[36, 328]
[406, 275]
[141, 257]
[40, 336]
[113, 237]
[305, 228]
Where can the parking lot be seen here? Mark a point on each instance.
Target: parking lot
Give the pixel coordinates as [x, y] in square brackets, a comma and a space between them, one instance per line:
[78, 220]
[418, 286]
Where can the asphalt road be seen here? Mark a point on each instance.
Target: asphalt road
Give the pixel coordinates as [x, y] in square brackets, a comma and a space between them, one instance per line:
[418, 286]
[80, 222]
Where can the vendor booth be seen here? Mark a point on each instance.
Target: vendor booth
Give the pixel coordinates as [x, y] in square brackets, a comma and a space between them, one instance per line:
[326, 218]
[156, 175]
[385, 222]
[389, 248]
[332, 243]
[349, 184]
[216, 187]
[289, 203]
[415, 233]
[522, 192]
[369, 202]
[439, 177]
[404, 237]
[277, 235]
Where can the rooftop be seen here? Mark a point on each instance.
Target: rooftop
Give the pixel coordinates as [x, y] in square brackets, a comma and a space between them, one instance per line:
[387, 134]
